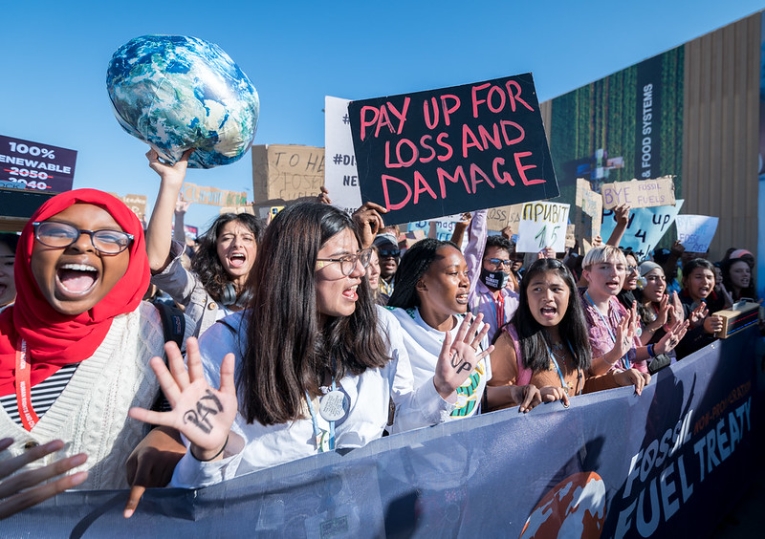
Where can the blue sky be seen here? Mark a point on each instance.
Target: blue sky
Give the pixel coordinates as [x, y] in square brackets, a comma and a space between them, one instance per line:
[55, 55]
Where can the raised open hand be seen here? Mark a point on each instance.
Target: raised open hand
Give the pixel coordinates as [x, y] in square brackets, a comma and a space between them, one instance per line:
[201, 413]
[459, 358]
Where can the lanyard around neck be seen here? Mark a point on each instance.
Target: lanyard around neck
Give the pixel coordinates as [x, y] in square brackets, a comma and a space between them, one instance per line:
[563, 383]
[24, 387]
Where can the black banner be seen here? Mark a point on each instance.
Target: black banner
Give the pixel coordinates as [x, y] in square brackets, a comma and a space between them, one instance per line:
[32, 165]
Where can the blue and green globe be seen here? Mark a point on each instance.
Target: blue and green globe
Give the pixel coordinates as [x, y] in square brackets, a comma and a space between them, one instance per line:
[181, 92]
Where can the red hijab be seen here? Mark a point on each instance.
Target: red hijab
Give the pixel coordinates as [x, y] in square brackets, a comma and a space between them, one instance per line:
[54, 339]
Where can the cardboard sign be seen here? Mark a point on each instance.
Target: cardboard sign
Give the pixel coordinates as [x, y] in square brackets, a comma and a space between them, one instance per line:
[237, 209]
[137, 203]
[33, 165]
[286, 172]
[498, 219]
[639, 193]
[452, 150]
[570, 236]
[543, 224]
[340, 176]
[212, 196]
[645, 228]
[588, 211]
[696, 232]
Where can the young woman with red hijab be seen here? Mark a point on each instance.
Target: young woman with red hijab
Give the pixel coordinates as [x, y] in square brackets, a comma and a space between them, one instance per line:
[76, 344]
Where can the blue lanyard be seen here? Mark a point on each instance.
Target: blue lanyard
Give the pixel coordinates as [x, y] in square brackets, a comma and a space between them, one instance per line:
[563, 383]
[603, 319]
[317, 432]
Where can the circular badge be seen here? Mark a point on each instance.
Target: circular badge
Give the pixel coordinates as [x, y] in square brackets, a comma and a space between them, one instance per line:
[333, 405]
[638, 332]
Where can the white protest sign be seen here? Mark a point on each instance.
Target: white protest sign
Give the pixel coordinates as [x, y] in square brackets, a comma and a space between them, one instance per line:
[645, 228]
[695, 232]
[639, 193]
[543, 224]
[340, 175]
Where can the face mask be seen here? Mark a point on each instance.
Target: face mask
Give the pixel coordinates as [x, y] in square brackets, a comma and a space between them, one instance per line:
[494, 279]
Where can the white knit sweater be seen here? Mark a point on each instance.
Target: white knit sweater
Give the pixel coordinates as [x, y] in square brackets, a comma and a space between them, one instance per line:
[91, 413]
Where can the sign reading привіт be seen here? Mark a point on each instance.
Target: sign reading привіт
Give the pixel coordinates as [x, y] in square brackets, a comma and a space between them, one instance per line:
[452, 150]
[32, 165]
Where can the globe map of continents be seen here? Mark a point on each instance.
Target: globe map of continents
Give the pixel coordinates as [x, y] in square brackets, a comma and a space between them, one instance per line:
[181, 92]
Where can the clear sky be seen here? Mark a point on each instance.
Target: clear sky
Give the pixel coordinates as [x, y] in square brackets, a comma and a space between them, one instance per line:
[54, 56]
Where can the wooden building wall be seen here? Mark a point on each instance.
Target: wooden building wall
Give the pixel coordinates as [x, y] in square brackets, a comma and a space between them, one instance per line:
[721, 132]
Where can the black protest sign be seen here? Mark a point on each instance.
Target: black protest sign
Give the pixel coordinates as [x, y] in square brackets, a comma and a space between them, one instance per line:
[452, 150]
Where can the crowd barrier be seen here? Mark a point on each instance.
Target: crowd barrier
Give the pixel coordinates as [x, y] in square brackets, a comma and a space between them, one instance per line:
[671, 462]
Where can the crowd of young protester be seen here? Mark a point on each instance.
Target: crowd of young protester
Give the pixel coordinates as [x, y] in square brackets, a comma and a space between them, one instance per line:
[296, 320]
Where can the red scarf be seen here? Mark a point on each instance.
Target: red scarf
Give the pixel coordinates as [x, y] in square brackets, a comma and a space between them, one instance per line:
[54, 339]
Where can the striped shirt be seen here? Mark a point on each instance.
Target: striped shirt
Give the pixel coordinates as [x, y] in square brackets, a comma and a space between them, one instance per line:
[44, 394]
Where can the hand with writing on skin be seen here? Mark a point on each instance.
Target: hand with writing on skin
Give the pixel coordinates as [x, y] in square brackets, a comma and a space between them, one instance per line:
[369, 222]
[201, 413]
[459, 358]
[25, 489]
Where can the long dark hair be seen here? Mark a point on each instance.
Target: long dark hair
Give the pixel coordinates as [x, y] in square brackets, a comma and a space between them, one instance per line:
[288, 353]
[749, 291]
[415, 262]
[572, 328]
[206, 263]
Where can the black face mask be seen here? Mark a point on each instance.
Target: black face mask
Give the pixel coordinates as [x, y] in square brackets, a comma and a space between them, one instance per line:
[494, 279]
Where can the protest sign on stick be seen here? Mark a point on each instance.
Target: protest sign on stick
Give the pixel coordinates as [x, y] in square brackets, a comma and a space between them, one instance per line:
[639, 193]
[645, 228]
[543, 224]
[696, 232]
[452, 150]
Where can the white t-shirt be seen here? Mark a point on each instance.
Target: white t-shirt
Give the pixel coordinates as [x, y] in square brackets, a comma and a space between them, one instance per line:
[423, 344]
[368, 396]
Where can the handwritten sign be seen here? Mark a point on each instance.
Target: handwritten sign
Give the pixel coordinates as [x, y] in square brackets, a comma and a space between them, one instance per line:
[341, 178]
[645, 228]
[543, 224]
[137, 203]
[639, 193]
[696, 232]
[286, 172]
[452, 150]
[35, 166]
[212, 196]
[504, 216]
[588, 210]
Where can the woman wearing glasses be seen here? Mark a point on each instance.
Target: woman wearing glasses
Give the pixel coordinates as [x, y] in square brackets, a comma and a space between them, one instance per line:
[316, 361]
[613, 330]
[76, 344]
[214, 286]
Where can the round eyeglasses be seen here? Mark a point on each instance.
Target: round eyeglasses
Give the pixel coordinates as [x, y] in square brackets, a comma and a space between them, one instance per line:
[348, 262]
[62, 235]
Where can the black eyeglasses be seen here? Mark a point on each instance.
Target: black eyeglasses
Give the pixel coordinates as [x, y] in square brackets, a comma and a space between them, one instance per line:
[62, 235]
[348, 262]
[389, 253]
[497, 261]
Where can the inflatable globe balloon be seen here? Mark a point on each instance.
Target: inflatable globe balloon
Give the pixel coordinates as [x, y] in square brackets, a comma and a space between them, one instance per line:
[180, 92]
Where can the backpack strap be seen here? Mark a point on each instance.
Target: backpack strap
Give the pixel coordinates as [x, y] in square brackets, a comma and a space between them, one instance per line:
[173, 322]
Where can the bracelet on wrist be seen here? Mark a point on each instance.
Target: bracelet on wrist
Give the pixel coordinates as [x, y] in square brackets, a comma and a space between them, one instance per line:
[215, 456]
[651, 351]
